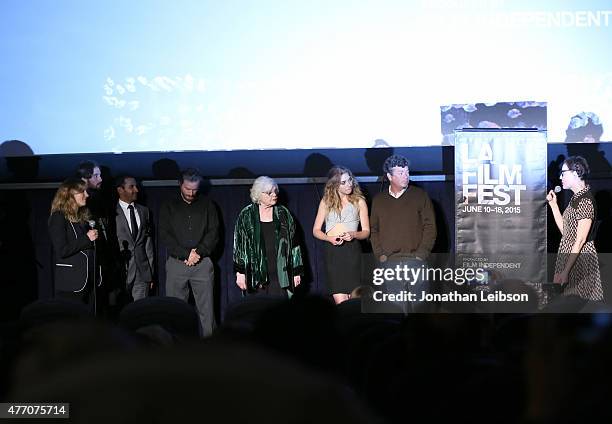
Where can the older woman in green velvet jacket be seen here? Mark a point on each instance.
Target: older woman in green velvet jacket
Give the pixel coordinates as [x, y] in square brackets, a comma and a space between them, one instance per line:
[267, 258]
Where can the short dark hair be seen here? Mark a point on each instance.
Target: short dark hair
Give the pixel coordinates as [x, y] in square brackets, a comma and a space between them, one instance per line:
[86, 169]
[190, 174]
[579, 165]
[393, 161]
[120, 179]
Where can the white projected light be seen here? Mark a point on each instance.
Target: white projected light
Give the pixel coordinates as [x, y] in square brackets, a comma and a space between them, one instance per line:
[113, 76]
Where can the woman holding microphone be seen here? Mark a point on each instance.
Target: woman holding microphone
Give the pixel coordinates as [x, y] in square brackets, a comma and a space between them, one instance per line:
[73, 239]
[577, 266]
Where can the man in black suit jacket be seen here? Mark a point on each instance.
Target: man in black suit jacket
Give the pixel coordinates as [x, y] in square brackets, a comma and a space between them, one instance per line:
[134, 238]
[100, 206]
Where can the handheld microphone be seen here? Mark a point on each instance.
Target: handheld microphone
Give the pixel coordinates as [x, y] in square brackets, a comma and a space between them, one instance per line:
[557, 189]
[92, 225]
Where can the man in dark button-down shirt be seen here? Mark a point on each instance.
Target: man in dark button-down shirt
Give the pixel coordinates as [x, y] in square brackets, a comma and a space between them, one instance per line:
[189, 228]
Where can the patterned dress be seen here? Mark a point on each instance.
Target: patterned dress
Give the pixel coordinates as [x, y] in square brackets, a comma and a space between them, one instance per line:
[584, 279]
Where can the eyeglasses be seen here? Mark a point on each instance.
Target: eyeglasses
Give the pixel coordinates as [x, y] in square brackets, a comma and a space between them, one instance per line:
[347, 181]
[270, 192]
[564, 171]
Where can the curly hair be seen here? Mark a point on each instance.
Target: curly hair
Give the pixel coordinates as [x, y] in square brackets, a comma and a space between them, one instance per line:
[393, 161]
[579, 165]
[64, 200]
[331, 197]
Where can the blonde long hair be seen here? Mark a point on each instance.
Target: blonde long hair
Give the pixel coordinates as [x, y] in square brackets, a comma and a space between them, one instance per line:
[331, 197]
[64, 200]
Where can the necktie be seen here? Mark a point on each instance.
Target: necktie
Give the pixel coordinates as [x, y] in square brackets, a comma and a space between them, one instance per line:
[133, 222]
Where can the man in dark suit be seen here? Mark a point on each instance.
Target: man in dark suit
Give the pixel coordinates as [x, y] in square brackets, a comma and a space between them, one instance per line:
[101, 210]
[134, 238]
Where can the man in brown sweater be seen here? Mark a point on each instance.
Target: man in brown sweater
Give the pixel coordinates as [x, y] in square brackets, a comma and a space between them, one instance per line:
[402, 222]
[402, 225]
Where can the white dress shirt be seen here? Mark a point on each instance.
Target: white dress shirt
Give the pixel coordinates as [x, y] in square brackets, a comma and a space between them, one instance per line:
[126, 212]
[396, 195]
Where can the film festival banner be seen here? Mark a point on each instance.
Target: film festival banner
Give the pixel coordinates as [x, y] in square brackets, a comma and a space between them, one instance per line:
[500, 188]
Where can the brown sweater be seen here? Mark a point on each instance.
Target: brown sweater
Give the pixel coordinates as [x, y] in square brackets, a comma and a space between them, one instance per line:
[403, 227]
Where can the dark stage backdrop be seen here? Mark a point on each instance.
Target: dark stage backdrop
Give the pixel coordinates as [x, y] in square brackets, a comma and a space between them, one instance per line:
[25, 248]
[27, 261]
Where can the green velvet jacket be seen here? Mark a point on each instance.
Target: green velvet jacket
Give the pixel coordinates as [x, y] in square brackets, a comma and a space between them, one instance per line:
[249, 249]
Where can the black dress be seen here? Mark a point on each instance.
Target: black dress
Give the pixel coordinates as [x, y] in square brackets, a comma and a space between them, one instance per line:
[343, 262]
[343, 266]
[273, 288]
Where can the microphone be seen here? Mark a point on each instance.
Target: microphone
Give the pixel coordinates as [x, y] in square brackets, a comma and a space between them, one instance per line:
[92, 225]
[557, 189]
